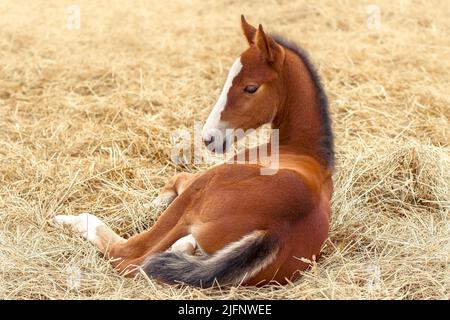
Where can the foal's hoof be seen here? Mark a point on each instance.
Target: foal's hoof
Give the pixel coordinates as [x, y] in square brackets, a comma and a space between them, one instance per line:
[84, 224]
[163, 200]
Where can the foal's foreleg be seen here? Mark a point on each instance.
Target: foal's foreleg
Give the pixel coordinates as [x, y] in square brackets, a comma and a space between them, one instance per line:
[93, 229]
[126, 255]
[174, 187]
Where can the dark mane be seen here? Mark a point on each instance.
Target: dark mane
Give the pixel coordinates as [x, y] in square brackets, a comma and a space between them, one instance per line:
[327, 133]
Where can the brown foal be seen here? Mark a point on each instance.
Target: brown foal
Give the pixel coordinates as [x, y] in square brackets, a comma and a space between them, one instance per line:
[250, 228]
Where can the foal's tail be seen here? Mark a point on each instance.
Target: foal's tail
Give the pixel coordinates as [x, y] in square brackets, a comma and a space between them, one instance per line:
[233, 264]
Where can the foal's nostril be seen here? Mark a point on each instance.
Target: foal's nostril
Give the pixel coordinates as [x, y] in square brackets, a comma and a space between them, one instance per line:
[208, 142]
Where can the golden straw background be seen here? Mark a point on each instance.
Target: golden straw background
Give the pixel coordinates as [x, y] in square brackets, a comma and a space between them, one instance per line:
[86, 118]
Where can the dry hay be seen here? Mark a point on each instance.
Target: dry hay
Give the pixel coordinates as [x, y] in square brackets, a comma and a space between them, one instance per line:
[86, 117]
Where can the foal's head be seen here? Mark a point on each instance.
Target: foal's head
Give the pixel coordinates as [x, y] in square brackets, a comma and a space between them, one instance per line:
[252, 93]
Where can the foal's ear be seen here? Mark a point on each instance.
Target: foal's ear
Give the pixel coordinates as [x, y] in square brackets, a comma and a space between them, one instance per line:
[266, 44]
[248, 30]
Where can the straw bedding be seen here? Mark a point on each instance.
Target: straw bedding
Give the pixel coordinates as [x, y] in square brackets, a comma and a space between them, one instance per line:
[86, 118]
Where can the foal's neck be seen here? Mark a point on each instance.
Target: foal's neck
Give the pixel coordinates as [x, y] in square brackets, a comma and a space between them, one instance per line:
[299, 120]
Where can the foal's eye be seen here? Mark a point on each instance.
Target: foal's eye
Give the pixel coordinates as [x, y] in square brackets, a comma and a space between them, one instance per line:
[251, 89]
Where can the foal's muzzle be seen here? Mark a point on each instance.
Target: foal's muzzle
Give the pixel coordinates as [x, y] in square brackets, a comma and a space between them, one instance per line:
[214, 144]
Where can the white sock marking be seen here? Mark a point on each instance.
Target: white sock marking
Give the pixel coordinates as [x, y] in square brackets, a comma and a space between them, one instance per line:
[164, 200]
[86, 224]
[186, 244]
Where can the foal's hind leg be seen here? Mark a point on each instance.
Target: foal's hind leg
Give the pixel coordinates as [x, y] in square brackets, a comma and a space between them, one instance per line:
[174, 187]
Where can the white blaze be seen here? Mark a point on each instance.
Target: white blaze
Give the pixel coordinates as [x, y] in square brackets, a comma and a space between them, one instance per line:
[213, 122]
